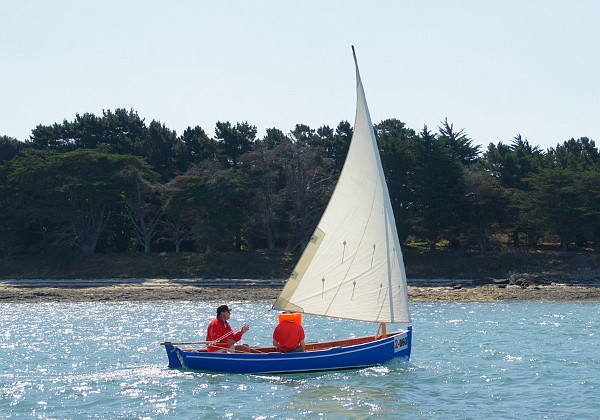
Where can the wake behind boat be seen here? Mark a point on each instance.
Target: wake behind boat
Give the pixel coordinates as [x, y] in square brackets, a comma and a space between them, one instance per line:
[351, 269]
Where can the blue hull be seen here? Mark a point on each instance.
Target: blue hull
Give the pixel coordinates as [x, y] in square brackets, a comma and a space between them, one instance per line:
[373, 352]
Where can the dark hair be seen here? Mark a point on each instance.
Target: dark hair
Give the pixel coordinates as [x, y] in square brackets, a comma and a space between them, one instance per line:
[222, 308]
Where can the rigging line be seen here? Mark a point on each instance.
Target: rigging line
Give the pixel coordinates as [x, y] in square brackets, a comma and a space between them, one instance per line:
[385, 295]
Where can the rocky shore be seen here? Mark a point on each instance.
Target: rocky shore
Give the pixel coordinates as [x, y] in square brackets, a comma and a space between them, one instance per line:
[516, 288]
[533, 275]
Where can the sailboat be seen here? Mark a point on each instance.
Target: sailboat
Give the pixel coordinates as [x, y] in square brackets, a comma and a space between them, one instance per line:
[351, 269]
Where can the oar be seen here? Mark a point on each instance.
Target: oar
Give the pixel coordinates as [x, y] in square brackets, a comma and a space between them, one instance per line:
[210, 343]
[169, 343]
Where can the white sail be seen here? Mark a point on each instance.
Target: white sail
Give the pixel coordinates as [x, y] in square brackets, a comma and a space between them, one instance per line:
[353, 267]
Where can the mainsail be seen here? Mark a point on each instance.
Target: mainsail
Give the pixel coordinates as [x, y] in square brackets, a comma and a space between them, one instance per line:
[353, 267]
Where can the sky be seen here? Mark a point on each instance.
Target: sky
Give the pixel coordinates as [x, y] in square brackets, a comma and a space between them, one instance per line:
[493, 68]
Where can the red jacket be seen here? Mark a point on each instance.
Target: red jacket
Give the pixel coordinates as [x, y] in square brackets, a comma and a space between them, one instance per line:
[216, 330]
[288, 335]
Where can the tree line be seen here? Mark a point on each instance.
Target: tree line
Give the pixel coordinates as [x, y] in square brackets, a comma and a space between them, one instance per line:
[113, 183]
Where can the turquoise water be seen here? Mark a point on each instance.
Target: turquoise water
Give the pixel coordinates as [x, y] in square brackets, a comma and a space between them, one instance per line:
[470, 360]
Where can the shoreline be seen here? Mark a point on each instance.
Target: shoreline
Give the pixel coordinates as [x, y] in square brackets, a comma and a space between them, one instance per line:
[229, 290]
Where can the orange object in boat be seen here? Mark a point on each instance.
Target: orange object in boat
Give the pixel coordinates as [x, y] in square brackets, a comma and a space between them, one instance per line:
[288, 316]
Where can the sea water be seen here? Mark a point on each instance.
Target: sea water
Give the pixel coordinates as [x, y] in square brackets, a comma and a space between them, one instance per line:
[470, 360]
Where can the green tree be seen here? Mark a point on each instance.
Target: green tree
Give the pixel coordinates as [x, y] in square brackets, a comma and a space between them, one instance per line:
[177, 225]
[198, 146]
[439, 189]
[577, 154]
[555, 202]
[123, 132]
[231, 193]
[266, 217]
[86, 131]
[309, 182]
[486, 204]
[273, 138]
[190, 209]
[397, 145]
[159, 146]
[512, 165]
[332, 144]
[591, 204]
[9, 148]
[565, 198]
[341, 144]
[144, 203]
[303, 134]
[235, 141]
[68, 196]
[220, 197]
[53, 137]
[119, 132]
[458, 142]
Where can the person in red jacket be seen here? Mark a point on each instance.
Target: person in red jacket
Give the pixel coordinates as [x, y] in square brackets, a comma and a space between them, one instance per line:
[220, 332]
[289, 336]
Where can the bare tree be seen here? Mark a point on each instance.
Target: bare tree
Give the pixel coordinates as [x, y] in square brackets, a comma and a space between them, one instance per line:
[267, 201]
[145, 208]
[310, 182]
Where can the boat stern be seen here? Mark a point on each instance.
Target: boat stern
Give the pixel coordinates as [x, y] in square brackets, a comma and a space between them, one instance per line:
[172, 354]
[403, 343]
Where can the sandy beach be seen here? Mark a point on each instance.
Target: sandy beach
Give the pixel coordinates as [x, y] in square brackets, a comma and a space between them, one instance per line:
[228, 290]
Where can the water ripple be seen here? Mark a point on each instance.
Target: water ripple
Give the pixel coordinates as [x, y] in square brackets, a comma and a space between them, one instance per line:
[498, 360]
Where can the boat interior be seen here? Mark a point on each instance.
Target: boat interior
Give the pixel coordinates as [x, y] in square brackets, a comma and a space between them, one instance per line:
[311, 346]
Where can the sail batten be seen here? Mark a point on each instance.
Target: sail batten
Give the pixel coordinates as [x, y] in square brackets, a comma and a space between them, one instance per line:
[352, 267]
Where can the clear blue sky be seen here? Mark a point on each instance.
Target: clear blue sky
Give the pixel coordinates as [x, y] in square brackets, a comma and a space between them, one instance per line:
[494, 68]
